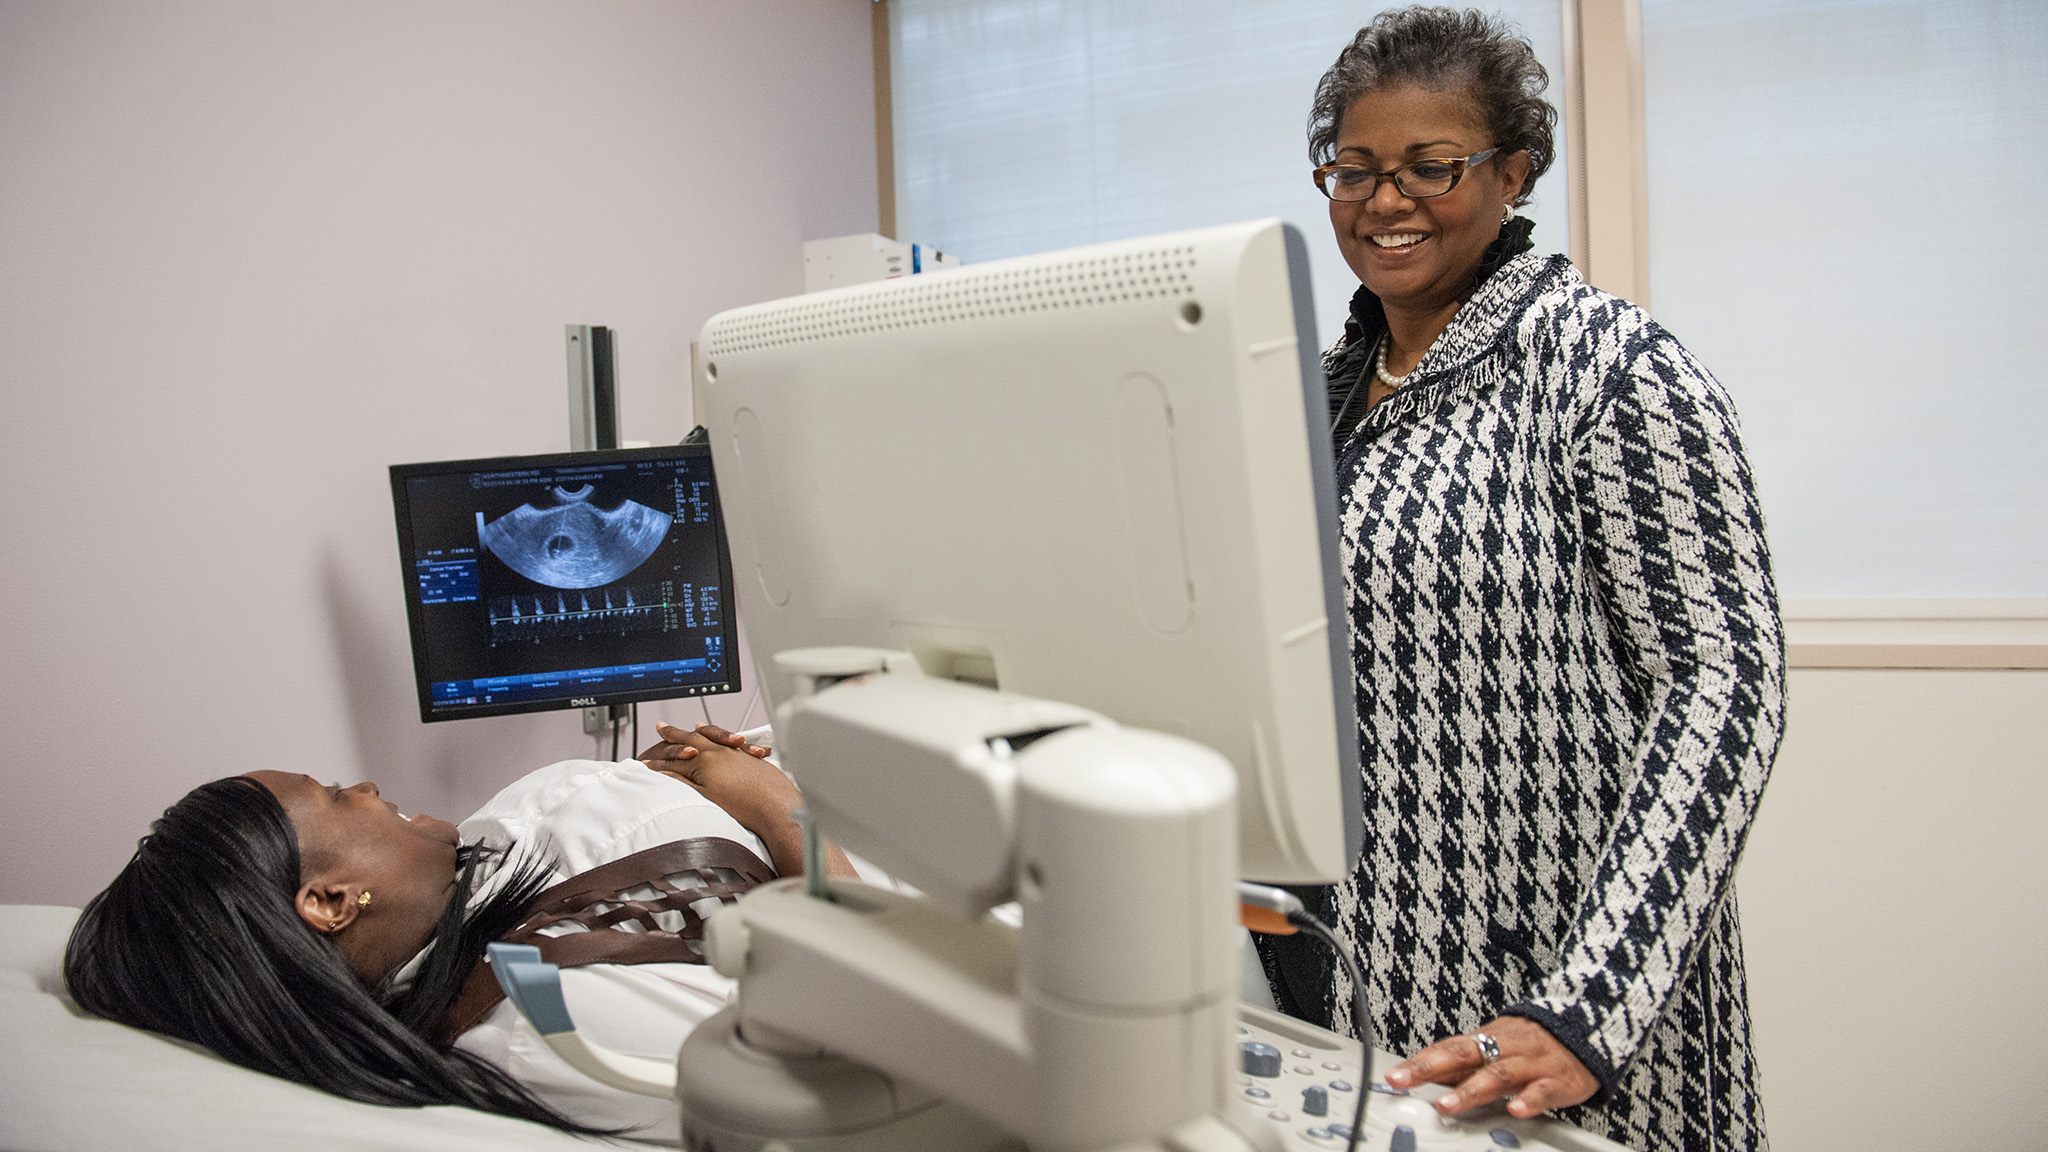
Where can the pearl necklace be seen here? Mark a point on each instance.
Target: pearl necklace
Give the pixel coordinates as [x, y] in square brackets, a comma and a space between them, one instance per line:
[1380, 369]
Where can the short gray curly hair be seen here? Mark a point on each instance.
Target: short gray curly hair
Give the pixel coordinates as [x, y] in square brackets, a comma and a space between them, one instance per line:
[1439, 48]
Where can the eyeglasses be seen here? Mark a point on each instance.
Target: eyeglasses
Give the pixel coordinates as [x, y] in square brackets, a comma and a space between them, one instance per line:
[1417, 181]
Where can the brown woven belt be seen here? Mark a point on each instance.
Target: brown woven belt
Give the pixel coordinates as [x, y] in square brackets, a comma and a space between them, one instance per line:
[604, 901]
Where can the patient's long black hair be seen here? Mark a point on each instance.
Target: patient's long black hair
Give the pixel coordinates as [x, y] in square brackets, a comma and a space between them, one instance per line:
[198, 938]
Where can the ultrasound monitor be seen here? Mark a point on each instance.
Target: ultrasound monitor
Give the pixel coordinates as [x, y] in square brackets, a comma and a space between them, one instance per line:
[565, 581]
[1101, 476]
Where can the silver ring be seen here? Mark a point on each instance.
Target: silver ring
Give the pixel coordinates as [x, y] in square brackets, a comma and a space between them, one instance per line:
[1489, 1048]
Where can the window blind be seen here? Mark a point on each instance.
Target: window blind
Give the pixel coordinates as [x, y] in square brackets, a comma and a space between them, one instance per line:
[1028, 125]
[1846, 226]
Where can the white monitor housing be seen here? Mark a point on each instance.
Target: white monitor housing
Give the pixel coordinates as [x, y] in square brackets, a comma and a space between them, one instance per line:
[1100, 476]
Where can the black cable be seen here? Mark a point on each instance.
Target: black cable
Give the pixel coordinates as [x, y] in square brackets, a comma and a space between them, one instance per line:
[635, 707]
[1372, 361]
[611, 717]
[1315, 928]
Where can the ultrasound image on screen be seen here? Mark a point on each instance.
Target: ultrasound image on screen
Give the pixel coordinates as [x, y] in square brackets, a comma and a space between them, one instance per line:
[566, 578]
[576, 543]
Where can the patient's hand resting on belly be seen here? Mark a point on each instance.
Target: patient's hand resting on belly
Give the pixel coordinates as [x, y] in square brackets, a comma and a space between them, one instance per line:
[753, 791]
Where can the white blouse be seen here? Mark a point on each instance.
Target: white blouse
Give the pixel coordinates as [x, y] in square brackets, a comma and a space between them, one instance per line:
[580, 814]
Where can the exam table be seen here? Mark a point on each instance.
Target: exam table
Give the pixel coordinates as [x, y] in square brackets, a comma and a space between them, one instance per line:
[70, 1082]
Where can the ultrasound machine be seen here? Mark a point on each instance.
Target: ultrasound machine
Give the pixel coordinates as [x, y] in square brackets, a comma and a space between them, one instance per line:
[1039, 569]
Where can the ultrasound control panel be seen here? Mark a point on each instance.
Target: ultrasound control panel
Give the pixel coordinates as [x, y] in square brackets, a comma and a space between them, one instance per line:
[1297, 1087]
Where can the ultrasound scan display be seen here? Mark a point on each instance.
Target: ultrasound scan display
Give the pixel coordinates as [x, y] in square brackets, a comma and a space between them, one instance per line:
[564, 581]
[574, 544]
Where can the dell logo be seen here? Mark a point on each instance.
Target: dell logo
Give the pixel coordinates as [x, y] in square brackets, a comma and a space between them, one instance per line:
[583, 702]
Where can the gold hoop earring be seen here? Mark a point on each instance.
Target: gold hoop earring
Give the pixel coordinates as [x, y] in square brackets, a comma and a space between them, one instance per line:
[363, 901]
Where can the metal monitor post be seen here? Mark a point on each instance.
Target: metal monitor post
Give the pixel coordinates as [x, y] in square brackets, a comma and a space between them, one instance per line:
[594, 426]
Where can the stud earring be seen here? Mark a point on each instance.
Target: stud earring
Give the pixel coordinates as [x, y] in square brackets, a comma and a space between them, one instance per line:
[363, 901]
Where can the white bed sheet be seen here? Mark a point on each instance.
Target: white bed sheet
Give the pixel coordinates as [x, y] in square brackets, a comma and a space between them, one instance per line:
[71, 1082]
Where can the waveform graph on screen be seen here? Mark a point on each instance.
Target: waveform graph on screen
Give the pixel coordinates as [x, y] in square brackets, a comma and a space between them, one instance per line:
[601, 611]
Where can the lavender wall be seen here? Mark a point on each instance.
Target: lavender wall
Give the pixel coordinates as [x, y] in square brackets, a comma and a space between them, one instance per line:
[253, 252]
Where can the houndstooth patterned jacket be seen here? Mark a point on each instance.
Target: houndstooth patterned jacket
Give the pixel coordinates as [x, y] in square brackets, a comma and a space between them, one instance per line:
[1570, 682]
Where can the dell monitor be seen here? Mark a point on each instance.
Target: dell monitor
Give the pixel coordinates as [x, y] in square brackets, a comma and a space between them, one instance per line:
[565, 581]
[1101, 476]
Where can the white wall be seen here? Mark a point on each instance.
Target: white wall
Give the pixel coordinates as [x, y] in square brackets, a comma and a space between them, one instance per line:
[253, 252]
[1893, 914]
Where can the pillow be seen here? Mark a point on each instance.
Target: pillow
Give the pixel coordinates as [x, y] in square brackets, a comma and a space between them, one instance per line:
[74, 1082]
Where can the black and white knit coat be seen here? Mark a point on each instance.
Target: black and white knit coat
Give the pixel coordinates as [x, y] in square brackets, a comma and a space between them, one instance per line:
[1570, 681]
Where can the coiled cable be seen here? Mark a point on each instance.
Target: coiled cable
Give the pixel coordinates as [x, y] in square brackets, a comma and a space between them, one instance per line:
[1288, 905]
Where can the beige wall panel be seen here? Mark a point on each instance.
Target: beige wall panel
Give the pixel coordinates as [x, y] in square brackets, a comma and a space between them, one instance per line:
[1602, 98]
[1893, 911]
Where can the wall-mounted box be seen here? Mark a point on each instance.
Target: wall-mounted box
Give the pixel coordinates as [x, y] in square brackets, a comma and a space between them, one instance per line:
[865, 257]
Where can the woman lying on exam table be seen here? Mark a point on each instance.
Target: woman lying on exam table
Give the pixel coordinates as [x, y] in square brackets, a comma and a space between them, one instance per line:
[314, 933]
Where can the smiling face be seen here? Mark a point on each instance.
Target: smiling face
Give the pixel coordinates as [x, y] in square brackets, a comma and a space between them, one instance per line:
[353, 841]
[1418, 255]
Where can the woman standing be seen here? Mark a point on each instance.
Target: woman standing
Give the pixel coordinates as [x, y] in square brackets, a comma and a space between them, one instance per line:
[1567, 653]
